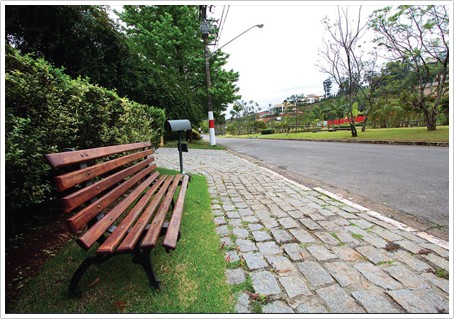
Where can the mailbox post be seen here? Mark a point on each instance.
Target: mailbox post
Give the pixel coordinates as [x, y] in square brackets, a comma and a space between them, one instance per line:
[179, 126]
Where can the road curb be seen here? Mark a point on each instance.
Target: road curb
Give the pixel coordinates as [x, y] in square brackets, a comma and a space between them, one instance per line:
[435, 240]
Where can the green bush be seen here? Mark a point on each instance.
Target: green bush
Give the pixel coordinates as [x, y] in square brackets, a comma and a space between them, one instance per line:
[47, 111]
[267, 131]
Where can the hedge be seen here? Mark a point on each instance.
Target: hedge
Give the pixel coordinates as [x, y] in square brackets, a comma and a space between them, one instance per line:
[267, 131]
[48, 111]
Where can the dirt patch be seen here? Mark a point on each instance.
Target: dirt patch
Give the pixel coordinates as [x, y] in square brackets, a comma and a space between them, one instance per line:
[28, 247]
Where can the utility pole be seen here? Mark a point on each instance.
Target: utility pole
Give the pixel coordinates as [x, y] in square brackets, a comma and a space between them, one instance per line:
[205, 29]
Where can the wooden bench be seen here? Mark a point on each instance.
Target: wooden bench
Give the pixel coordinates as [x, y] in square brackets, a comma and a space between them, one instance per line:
[117, 199]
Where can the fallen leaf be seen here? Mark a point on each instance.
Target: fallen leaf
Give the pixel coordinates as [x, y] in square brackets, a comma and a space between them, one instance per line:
[120, 305]
[94, 282]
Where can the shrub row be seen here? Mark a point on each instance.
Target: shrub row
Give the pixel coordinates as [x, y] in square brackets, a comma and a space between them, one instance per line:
[47, 111]
[267, 131]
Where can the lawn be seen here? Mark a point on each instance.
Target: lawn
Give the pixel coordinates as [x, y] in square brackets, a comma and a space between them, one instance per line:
[192, 277]
[410, 134]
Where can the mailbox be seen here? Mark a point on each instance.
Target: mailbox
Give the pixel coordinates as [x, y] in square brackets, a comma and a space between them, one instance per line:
[179, 126]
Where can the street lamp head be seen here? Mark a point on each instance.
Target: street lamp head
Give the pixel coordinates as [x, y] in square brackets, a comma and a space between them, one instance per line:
[260, 25]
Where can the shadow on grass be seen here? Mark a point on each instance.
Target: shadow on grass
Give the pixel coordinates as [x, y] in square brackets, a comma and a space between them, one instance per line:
[192, 277]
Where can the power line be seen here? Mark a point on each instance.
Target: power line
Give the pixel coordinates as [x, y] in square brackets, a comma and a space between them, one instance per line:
[221, 26]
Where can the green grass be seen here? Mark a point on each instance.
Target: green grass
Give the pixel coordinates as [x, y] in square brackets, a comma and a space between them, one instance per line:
[192, 276]
[405, 134]
[196, 144]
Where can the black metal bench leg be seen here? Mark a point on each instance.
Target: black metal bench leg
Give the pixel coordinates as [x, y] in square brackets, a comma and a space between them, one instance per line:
[74, 291]
[152, 279]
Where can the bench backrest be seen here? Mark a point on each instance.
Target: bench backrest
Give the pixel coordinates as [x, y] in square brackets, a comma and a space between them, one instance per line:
[94, 180]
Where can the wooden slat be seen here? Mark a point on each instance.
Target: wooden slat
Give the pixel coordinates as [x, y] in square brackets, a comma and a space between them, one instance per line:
[134, 235]
[119, 233]
[68, 180]
[81, 196]
[151, 237]
[57, 160]
[82, 217]
[95, 231]
[170, 240]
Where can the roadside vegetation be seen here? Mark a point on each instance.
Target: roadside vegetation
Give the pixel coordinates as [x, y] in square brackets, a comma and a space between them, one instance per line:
[410, 134]
[192, 276]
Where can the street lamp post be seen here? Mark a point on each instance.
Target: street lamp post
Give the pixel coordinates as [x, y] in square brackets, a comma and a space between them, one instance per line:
[205, 29]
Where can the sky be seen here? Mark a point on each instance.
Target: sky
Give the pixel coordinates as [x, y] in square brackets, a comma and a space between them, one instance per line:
[280, 59]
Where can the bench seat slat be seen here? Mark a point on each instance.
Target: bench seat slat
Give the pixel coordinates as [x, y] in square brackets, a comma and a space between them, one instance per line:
[137, 230]
[171, 238]
[95, 231]
[82, 217]
[151, 237]
[68, 180]
[81, 196]
[57, 160]
[119, 233]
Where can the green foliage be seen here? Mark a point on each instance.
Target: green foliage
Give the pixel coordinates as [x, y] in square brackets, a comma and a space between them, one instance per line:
[268, 131]
[47, 111]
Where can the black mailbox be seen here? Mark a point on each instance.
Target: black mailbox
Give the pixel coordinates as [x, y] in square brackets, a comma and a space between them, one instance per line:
[179, 126]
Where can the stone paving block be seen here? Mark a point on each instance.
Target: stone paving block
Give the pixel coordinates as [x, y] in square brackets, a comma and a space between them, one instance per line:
[302, 236]
[441, 283]
[295, 251]
[288, 222]
[344, 274]
[282, 265]
[219, 220]
[327, 237]
[361, 223]
[386, 234]
[328, 225]
[437, 249]
[373, 254]
[311, 307]
[377, 276]
[341, 221]
[217, 212]
[316, 216]
[410, 236]
[222, 230]
[254, 261]
[326, 212]
[281, 236]
[260, 235]
[277, 306]
[297, 214]
[235, 276]
[245, 245]
[233, 214]
[269, 222]
[269, 248]
[437, 261]
[254, 227]
[264, 283]
[231, 256]
[375, 302]
[242, 304]
[235, 222]
[349, 209]
[338, 300]
[315, 274]
[245, 212]
[375, 240]
[436, 298]
[294, 286]
[409, 260]
[346, 253]
[230, 208]
[411, 302]
[226, 242]
[240, 232]
[407, 277]
[321, 253]
[310, 224]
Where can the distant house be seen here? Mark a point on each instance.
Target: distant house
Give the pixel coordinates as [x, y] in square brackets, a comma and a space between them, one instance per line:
[312, 98]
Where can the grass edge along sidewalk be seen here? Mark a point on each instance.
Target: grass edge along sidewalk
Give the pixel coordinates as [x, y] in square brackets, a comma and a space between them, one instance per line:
[404, 135]
[192, 277]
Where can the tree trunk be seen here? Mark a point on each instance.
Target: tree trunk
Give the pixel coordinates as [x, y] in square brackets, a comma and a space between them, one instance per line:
[431, 120]
[353, 129]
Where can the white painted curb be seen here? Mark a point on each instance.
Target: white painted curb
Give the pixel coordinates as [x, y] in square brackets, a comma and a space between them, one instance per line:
[435, 240]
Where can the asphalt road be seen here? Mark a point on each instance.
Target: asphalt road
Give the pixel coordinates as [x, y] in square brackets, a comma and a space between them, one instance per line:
[409, 183]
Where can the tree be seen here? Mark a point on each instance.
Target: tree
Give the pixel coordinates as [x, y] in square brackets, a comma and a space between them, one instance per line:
[418, 36]
[167, 39]
[342, 54]
[82, 39]
[327, 84]
[296, 100]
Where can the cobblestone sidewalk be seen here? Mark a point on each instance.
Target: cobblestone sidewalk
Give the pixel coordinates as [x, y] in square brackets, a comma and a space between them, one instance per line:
[301, 251]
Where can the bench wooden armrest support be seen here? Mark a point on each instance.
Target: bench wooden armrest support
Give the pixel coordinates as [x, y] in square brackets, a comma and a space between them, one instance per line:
[115, 197]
